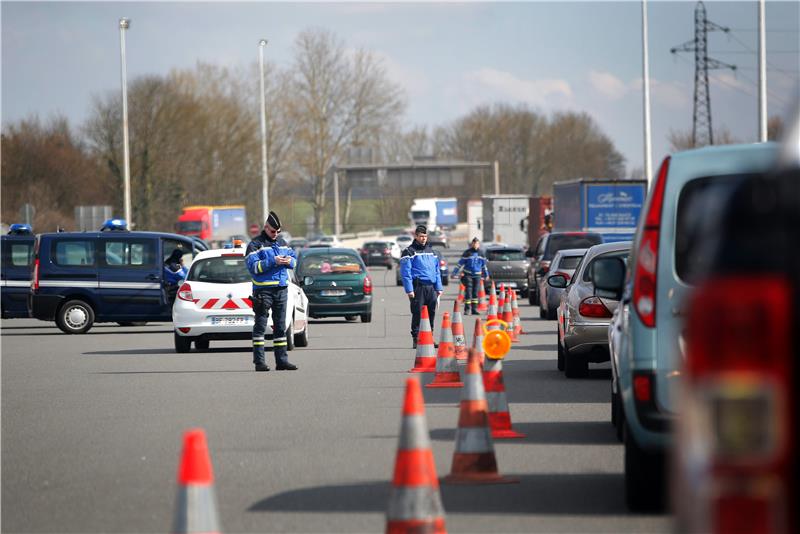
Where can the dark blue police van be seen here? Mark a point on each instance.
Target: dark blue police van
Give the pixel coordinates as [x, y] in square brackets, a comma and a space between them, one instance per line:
[80, 278]
[16, 259]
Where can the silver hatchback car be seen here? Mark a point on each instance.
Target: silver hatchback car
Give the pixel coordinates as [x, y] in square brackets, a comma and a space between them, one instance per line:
[584, 313]
[564, 263]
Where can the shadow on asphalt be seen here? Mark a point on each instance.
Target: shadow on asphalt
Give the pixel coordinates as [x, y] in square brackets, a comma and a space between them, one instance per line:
[168, 351]
[549, 347]
[561, 433]
[92, 332]
[549, 494]
[169, 372]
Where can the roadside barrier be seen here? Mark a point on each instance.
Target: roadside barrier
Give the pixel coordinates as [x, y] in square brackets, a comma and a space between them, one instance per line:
[425, 361]
[515, 313]
[499, 414]
[474, 460]
[415, 504]
[446, 364]
[459, 341]
[196, 506]
[482, 304]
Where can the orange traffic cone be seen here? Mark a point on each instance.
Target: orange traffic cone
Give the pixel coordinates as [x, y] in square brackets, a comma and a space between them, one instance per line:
[425, 362]
[493, 294]
[196, 506]
[482, 305]
[499, 416]
[477, 339]
[501, 300]
[446, 366]
[415, 504]
[474, 461]
[461, 290]
[459, 341]
[491, 313]
[508, 316]
[515, 313]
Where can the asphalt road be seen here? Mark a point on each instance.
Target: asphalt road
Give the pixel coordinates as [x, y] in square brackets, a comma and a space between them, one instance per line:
[92, 428]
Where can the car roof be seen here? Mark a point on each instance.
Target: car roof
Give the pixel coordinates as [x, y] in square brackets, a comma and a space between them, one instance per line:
[504, 246]
[571, 252]
[118, 233]
[337, 250]
[602, 248]
[217, 252]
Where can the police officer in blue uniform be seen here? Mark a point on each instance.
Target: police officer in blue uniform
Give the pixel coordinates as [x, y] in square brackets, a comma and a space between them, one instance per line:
[422, 280]
[473, 268]
[174, 273]
[268, 262]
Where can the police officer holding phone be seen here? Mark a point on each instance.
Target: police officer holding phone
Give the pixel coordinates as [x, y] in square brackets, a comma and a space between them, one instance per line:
[268, 263]
[422, 280]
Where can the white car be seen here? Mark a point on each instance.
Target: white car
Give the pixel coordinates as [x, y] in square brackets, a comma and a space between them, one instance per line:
[214, 303]
[403, 242]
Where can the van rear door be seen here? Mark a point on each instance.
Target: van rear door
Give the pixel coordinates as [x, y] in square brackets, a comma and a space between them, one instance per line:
[129, 277]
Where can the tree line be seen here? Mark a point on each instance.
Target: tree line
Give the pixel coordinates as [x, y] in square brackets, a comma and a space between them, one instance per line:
[195, 138]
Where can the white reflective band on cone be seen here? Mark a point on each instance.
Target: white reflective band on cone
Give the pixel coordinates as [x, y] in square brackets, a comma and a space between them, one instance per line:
[497, 402]
[196, 510]
[414, 433]
[473, 440]
[415, 503]
[473, 388]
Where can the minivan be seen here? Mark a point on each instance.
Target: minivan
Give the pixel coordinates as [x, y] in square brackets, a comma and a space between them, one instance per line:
[670, 248]
[82, 278]
[16, 258]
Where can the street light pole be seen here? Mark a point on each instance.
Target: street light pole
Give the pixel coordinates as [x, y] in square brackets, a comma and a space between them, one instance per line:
[265, 173]
[648, 150]
[124, 24]
[762, 73]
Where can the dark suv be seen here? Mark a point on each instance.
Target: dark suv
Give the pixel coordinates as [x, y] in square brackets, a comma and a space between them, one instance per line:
[545, 251]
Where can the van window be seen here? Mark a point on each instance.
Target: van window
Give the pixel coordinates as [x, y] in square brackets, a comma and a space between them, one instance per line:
[130, 253]
[172, 244]
[564, 241]
[18, 254]
[74, 253]
[699, 213]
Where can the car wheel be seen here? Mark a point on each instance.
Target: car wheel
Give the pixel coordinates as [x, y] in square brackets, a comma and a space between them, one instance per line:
[290, 336]
[398, 282]
[132, 323]
[182, 343]
[645, 477]
[617, 417]
[560, 355]
[542, 313]
[531, 298]
[366, 317]
[445, 281]
[301, 339]
[350, 317]
[75, 317]
[388, 266]
[551, 314]
[202, 344]
[574, 366]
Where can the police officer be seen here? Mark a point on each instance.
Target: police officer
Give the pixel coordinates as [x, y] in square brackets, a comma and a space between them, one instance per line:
[174, 273]
[267, 262]
[473, 268]
[422, 280]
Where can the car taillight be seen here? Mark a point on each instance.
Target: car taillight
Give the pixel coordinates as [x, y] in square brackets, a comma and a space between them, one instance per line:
[737, 397]
[367, 285]
[593, 307]
[544, 266]
[185, 293]
[644, 285]
[559, 273]
[442, 263]
[35, 281]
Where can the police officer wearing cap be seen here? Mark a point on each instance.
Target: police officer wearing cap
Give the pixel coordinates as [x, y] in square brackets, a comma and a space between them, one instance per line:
[473, 268]
[268, 263]
[422, 280]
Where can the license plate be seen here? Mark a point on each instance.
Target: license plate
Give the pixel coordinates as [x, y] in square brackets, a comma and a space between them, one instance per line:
[376, 254]
[233, 320]
[333, 292]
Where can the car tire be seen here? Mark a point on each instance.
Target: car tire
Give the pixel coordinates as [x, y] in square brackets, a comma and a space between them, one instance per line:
[560, 361]
[301, 339]
[350, 317]
[542, 313]
[75, 317]
[531, 298]
[202, 344]
[366, 317]
[445, 281]
[290, 336]
[551, 314]
[389, 267]
[398, 282]
[574, 366]
[183, 344]
[645, 477]
[617, 417]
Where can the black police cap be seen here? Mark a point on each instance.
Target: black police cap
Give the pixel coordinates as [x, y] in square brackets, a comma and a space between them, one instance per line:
[421, 229]
[273, 220]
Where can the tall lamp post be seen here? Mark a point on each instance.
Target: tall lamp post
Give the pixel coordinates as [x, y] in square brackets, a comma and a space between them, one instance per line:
[648, 149]
[124, 24]
[264, 171]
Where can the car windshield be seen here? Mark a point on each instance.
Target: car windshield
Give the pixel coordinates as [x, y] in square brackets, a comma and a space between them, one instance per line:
[220, 270]
[563, 241]
[505, 255]
[331, 263]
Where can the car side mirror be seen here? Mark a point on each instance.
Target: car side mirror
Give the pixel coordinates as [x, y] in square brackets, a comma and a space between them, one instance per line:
[608, 276]
[558, 281]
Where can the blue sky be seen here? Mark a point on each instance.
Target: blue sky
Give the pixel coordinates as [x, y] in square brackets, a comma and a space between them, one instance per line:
[450, 57]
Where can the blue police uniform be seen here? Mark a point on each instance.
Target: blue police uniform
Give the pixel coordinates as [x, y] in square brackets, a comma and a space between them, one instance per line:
[473, 268]
[419, 269]
[270, 283]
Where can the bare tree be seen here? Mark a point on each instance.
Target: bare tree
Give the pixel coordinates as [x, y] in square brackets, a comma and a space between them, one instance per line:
[682, 139]
[340, 100]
